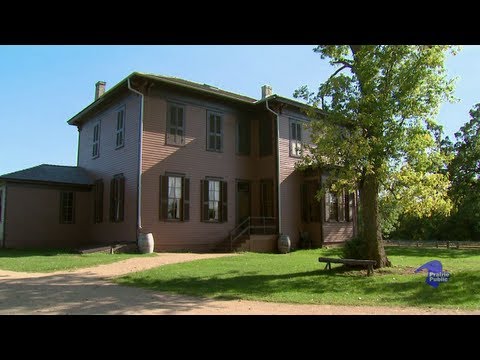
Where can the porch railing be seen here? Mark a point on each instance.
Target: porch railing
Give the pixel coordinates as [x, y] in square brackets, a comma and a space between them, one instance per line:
[253, 225]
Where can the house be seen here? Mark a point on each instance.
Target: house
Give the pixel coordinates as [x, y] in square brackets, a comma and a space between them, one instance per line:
[196, 166]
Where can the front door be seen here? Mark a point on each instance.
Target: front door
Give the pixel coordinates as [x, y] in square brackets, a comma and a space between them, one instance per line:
[243, 200]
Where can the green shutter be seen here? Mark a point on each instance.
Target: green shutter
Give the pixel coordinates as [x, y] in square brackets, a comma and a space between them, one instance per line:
[112, 200]
[163, 207]
[204, 199]
[100, 201]
[121, 199]
[186, 199]
[316, 204]
[243, 136]
[224, 201]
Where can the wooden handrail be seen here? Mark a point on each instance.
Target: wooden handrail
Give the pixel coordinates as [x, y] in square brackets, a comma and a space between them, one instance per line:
[247, 226]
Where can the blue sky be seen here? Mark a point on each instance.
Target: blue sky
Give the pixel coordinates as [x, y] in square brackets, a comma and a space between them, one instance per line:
[44, 86]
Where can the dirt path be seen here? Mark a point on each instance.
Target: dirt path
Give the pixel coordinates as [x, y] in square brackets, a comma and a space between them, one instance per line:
[89, 291]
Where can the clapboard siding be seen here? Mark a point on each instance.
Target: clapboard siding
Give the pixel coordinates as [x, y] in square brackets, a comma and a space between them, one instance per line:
[196, 163]
[337, 231]
[111, 162]
[33, 218]
[290, 181]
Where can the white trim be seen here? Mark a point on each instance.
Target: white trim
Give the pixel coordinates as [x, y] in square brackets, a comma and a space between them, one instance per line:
[140, 144]
[96, 154]
[295, 145]
[121, 131]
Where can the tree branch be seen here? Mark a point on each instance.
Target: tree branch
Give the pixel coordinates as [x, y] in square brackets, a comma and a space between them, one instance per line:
[355, 48]
[390, 189]
[345, 63]
[336, 72]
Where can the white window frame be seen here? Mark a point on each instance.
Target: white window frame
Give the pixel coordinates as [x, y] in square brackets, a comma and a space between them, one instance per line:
[175, 183]
[214, 200]
[67, 206]
[120, 131]
[96, 142]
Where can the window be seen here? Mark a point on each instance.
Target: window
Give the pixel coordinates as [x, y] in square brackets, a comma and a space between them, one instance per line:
[214, 132]
[214, 200]
[243, 136]
[349, 199]
[266, 198]
[117, 198]
[98, 202]
[96, 140]
[331, 207]
[265, 136]
[1, 205]
[175, 125]
[120, 138]
[174, 197]
[309, 204]
[339, 207]
[295, 138]
[67, 207]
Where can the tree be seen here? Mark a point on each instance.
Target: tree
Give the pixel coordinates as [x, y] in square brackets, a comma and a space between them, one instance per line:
[414, 198]
[378, 108]
[465, 174]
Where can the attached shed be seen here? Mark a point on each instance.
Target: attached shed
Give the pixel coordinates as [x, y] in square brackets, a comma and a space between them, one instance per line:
[46, 206]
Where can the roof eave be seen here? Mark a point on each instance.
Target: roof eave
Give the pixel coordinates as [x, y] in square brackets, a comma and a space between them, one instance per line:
[290, 102]
[108, 94]
[42, 182]
[100, 100]
[212, 92]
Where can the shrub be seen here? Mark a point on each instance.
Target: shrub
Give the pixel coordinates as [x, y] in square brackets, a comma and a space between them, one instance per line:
[355, 249]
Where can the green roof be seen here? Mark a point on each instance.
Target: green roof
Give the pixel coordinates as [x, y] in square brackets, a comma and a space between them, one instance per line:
[52, 174]
[186, 84]
[197, 86]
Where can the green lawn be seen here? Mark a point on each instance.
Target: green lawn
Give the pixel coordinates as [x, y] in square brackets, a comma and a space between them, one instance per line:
[54, 260]
[298, 277]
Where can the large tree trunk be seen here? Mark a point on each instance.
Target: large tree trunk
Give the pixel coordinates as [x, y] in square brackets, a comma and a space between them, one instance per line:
[371, 232]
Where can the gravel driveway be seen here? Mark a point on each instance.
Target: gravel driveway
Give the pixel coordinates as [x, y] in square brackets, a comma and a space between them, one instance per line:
[89, 291]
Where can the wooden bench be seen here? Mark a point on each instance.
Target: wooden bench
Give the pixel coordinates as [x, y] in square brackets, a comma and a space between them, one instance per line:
[369, 263]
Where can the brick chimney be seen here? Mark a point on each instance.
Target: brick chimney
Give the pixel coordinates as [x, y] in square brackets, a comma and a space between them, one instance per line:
[266, 91]
[99, 89]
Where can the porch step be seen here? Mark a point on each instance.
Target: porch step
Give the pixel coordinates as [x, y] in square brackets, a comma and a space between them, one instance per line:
[260, 243]
[224, 245]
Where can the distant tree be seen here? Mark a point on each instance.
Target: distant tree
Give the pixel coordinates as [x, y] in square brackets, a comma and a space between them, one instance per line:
[379, 106]
[414, 198]
[465, 175]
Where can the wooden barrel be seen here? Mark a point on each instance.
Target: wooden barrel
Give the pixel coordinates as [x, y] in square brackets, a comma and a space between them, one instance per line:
[145, 243]
[284, 244]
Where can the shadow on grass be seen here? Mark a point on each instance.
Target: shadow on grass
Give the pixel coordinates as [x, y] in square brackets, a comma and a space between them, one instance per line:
[434, 253]
[462, 289]
[337, 286]
[16, 253]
